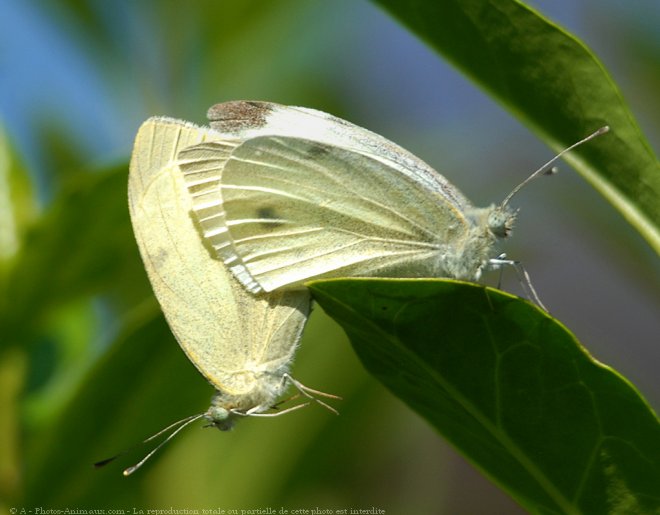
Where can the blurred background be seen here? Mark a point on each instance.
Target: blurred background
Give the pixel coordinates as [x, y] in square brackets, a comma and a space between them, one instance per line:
[87, 364]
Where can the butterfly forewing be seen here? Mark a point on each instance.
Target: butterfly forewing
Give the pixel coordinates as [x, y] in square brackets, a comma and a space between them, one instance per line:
[244, 120]
[297, 209]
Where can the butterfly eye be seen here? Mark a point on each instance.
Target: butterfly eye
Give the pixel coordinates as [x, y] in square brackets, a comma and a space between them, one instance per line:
[500, 222]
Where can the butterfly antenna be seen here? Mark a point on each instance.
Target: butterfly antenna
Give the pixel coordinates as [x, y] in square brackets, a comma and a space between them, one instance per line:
[547, 168]
[183, 423]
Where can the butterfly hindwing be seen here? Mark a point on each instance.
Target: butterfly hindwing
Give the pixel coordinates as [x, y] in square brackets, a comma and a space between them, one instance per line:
[226, 332]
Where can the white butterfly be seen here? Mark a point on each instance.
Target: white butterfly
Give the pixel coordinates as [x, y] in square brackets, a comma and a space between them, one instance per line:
[287, 194]
[241, 343]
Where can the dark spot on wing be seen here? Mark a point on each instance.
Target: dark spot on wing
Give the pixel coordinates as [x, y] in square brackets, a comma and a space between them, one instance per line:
[316, 150]
[238, 115]
[159, 259]
[266, 212]
[268, 217]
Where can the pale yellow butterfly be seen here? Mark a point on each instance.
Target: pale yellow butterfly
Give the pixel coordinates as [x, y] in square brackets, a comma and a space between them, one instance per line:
[241, 343]
[288, 194]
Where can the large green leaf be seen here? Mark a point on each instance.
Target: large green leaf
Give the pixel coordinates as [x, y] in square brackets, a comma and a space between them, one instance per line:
[552, 82]
[82, 245]
[510, 387]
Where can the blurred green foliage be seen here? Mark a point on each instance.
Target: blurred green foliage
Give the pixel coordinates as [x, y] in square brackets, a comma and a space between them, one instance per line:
[87, 364]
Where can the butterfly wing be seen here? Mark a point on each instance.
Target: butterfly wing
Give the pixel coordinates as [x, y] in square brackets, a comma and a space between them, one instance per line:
[244, 120]
[228, 334]
[292, 209]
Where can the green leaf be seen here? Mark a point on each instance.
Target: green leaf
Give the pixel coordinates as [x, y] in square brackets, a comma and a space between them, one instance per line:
[81, 246]
[509, 387]
[552, 82]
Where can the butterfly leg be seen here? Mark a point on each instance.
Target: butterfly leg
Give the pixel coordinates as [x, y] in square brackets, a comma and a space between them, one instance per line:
[310, 392]
[521, 273]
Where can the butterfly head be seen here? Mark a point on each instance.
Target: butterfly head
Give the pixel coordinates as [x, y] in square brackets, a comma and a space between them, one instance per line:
[218, 415]
[500, 221]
